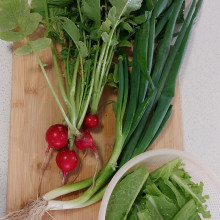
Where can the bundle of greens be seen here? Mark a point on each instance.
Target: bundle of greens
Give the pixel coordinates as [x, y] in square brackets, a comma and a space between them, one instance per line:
[144, 94]
[88, 32]
[167, 193]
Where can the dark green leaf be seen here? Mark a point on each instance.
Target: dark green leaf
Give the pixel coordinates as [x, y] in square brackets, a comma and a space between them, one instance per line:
[125, 43]
[126, 26]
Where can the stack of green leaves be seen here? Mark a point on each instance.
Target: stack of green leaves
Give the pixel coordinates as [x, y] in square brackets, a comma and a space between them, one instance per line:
[167, 194]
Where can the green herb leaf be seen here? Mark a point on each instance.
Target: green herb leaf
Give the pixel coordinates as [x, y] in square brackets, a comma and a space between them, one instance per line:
[112, 15]
[11, 36]
[21, 22]
[70, 27]
[37, 45]
[125, 43]
[125, 193]
[124, 7]
[106, 25]
[114, 42]
[38, 6]
[29, 23]
[40, 44]
[73, 32]
[12, 13]
[91, 9]
[25, 49]
[141, 18]
[105, 37]
[126, 26]
[83, 49]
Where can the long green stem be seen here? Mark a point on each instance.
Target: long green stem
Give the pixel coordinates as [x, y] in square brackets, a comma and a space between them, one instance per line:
[54, 93]
[46, 14]
[59, 77]
[81, 18]
[87, 100]
[72, 93]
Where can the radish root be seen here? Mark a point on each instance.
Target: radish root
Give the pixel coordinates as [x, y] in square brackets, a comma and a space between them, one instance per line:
[34, 210]
[96, 169]
[80, 165]
[43, 168]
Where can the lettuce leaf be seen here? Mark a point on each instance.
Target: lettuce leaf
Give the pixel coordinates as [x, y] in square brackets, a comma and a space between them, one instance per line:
[171, 191]
[191, 190]
[166, 170]
[125, 193]
[188, 211]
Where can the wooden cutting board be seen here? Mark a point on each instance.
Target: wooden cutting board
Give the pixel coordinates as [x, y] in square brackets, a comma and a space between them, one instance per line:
[33, 110]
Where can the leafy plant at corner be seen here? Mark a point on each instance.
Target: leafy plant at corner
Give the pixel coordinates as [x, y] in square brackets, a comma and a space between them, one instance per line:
[17, 23]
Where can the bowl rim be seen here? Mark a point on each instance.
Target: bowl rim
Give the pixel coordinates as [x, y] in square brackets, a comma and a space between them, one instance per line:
[142, 157]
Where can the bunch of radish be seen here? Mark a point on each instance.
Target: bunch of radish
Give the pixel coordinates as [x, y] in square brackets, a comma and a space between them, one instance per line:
[57, 138]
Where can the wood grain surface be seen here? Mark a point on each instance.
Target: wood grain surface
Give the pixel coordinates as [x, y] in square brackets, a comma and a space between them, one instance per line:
[33, 110]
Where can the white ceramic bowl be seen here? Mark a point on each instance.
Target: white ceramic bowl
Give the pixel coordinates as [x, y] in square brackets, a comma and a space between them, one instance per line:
[156, 158]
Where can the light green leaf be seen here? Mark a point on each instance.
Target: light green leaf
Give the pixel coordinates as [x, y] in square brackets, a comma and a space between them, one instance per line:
[25, 49]
[40, 44]
[38, 6]
[83, 49]
[125, 43]
[71, 29]
[30, 23]
[105, 37]
[191, 190]
[11, 36]
[147, 209]
[114, 42]
[126, 26]
[112, 15]
[166, 170]
[125, 7]
[12, 13]
[125, 193]
[91, 9]
[21, 22]
[144, 215]
[106, 25]
[188, 210]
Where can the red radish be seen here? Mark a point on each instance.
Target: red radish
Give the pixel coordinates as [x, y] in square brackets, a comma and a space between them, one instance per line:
[91, 121]
[67, 161]
[57, 136]
[85, 141]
